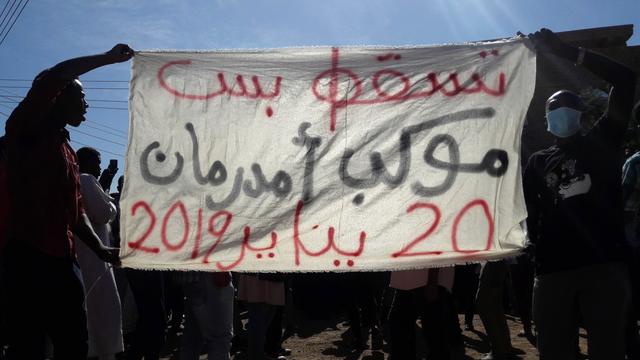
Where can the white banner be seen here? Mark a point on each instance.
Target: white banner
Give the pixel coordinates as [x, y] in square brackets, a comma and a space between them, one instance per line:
[326, 159]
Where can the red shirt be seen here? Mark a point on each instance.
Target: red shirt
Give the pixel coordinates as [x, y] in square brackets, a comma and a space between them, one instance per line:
[44, 183]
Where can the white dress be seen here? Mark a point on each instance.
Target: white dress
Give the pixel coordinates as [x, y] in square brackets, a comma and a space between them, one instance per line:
[104, 317]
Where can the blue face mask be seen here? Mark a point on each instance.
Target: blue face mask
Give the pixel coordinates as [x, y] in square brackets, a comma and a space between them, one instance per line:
[563, 122]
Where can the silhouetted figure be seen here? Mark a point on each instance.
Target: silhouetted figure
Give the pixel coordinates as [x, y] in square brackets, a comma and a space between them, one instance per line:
[104, 316]
[359, 289]
[263, 294]
[574, 200]
[208, 315]
[115, 224]
[465, 288]
[631, 199]
[522, 273]
[147, 287]
[424, 294]
[45, 294]
[489, 303]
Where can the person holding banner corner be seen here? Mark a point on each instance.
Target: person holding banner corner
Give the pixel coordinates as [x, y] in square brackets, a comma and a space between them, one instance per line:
[574, 200]
[45, 292]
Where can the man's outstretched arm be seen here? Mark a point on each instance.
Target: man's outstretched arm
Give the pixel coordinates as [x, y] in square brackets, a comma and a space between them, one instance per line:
[72, 68]
[49, 83]
[621, 77]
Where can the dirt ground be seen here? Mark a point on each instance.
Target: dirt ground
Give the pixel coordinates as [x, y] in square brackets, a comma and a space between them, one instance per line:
[327, 340]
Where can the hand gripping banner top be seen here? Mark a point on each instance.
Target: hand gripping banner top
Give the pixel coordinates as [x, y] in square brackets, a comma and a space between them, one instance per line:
[326, 159]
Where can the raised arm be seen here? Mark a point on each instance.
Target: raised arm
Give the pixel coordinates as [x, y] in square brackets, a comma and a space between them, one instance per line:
[72, 68]
[49, 83]
[622, 78]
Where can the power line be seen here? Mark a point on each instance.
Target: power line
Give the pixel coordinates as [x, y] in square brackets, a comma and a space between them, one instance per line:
[90, 100]
[3, 9]
[14, 21]
[89, 88]
[83, 80]
[101, 150]
[1, 113]
[106, 108]
[7, 16]
[115, 101]
[91, 107]
[105, 131]
[5, 94]
[104, 81]
[97, 137]
[106, 88]
[106, 126]
[7, 106]
[9, 19]
[11, 93]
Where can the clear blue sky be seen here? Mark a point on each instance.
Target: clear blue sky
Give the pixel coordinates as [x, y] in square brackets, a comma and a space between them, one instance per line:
[49, 31]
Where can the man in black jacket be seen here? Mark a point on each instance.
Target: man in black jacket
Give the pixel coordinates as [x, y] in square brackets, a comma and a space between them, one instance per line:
[574, 200]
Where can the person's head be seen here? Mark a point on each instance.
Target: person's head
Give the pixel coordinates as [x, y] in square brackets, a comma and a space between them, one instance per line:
[70, 105]
[564, 115]
[120, 183]
[89, 161]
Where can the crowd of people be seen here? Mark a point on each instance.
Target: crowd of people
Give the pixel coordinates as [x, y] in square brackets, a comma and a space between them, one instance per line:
[65, 297]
